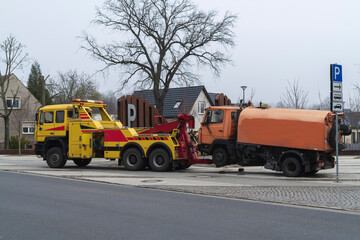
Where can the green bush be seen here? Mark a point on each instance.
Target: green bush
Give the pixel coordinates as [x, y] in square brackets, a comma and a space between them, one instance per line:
[14, 142]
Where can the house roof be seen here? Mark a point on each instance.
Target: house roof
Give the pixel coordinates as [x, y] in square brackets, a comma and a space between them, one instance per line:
[186, 95]
[22, 84]
[212, 96]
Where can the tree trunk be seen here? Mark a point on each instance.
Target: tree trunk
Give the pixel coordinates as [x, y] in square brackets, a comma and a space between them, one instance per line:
[159, 102]
[7, 132]
[159, 97]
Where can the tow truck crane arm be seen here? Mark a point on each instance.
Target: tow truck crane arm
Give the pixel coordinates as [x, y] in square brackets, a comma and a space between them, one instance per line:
[187, 142]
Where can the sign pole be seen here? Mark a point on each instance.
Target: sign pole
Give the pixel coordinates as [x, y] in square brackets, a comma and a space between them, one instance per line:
[337, 147]
[336, 104]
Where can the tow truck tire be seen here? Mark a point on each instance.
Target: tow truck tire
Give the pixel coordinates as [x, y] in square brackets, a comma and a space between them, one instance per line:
[159, 160]
[220, 157]
[55, 158]
[132, 160]
[82, 162]
[292, 167]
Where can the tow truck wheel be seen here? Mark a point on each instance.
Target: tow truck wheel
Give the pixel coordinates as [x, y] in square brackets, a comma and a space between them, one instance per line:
[55, 158]
[132, 160]
[292, 167]
[220, 157]
[82, 162]
[159, 160]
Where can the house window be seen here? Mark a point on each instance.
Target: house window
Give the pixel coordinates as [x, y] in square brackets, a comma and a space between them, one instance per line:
[201, 107]
[177, 104]
[11, 101]
[28, 127]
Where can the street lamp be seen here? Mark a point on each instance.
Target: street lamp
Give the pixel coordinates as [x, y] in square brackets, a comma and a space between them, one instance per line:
[243, 88]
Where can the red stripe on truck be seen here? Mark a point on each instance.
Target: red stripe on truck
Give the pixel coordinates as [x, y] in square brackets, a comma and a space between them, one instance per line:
[114, 136]
[62, 128]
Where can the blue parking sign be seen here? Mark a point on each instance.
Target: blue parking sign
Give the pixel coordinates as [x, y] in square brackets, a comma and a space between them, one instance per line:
[336, 73]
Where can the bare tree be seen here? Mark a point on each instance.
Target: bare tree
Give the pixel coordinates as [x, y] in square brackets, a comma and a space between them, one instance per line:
[166, 38]
[280, 104]
[324, 103]
[354, 99]
[110, 100]
[252, 95]
[12, 56]
[72, 85]
[295, 96]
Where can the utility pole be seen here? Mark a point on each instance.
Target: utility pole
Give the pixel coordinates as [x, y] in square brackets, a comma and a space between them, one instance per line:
[43, 100]
[43, 90]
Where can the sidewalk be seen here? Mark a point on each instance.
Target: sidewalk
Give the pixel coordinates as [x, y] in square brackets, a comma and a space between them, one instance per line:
[341, 198]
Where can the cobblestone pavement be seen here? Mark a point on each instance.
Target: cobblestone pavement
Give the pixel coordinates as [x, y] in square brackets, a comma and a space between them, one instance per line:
[342, 198]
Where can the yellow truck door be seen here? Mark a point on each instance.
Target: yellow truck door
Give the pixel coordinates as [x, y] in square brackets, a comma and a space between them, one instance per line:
[86, 147]
[75, 140]
[46, 125]
[59, 127]
[80, 143]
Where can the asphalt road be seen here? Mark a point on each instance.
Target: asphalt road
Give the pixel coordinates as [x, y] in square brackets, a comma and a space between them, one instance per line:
[33, 207]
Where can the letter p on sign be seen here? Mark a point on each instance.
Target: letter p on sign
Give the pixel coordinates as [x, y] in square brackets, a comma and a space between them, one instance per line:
[336, 73]
[131, 114]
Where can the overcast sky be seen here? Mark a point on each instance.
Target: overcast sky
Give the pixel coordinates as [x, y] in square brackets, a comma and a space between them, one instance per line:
[276, 41]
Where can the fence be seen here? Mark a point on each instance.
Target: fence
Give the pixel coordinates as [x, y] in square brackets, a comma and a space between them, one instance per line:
[144, 111]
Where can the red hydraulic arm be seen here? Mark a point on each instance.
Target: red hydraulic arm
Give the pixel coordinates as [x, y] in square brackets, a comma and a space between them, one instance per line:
[187, 147]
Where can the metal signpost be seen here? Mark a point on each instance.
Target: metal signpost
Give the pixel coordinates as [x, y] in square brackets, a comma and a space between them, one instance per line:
[336, 103]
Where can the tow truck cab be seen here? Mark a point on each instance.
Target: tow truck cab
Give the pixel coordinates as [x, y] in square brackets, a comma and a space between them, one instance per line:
[54, 121]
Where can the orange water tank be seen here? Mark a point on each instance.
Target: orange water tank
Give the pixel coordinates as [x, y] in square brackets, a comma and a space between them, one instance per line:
[291, 128]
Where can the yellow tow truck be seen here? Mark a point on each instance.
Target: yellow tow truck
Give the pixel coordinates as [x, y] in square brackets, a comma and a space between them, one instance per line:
[71, 132]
